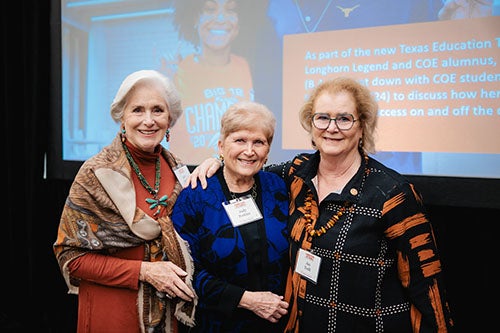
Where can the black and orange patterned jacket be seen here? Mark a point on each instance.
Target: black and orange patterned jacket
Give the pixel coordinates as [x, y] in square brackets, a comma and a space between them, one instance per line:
[380, 269]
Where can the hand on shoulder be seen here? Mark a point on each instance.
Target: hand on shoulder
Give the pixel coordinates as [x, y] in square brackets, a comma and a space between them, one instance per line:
[205, 170]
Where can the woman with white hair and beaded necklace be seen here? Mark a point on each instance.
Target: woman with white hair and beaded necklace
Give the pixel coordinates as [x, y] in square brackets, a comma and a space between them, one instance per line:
[116, 245]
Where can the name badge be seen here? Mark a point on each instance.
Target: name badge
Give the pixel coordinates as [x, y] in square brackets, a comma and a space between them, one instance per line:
[182, 173]
[308, 265]
[242, 210]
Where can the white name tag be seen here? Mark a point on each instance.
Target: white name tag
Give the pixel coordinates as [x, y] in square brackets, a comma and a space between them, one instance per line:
[182, 173]
[308, 265]
[242, 210]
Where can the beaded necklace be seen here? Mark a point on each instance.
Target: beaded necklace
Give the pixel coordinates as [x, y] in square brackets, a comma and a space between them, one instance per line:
[307, 214]
[308, 207]
[154, 201]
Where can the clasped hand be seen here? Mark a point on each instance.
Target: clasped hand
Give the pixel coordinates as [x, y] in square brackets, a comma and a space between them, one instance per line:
[264, 304]
[168, 278]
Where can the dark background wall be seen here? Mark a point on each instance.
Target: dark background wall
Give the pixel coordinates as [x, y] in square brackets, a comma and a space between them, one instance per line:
[35, 297]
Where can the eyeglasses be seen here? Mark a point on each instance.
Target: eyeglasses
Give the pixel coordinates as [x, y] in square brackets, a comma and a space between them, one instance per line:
[322, 121]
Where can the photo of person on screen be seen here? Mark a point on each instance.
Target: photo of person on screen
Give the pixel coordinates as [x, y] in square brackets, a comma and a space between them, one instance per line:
[212, 78]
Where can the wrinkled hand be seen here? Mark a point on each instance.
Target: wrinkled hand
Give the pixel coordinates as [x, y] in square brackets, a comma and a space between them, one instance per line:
[205, 170]
[264, 304]
[166, 277]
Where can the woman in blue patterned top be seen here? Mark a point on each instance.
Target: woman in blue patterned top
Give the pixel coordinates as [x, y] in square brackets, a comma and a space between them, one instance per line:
[237, 230]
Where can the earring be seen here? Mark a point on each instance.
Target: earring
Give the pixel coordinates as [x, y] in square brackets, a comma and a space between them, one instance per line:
[122, 135]
[220, 158]
[167, 135]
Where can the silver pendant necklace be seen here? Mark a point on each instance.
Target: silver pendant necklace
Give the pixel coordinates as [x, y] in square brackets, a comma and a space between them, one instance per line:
[301, 16]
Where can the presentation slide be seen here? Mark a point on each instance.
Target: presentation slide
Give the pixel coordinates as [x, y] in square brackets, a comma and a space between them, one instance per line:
[437, 85]
[437, 91]
[433, 68]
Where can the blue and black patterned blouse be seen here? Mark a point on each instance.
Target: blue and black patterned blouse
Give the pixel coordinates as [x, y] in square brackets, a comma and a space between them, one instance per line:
[230, 260]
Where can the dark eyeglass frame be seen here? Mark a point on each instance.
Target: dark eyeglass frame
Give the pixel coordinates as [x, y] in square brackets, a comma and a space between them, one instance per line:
[335, 120]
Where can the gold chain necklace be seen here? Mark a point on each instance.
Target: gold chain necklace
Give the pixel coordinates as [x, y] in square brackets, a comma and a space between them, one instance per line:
[154, 201]
[254, 192]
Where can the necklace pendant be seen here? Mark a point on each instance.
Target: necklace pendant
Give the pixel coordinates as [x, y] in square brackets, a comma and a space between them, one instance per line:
[157, 203]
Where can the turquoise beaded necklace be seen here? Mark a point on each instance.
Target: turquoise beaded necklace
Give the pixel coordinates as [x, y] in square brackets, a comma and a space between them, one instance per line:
[154, 201]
